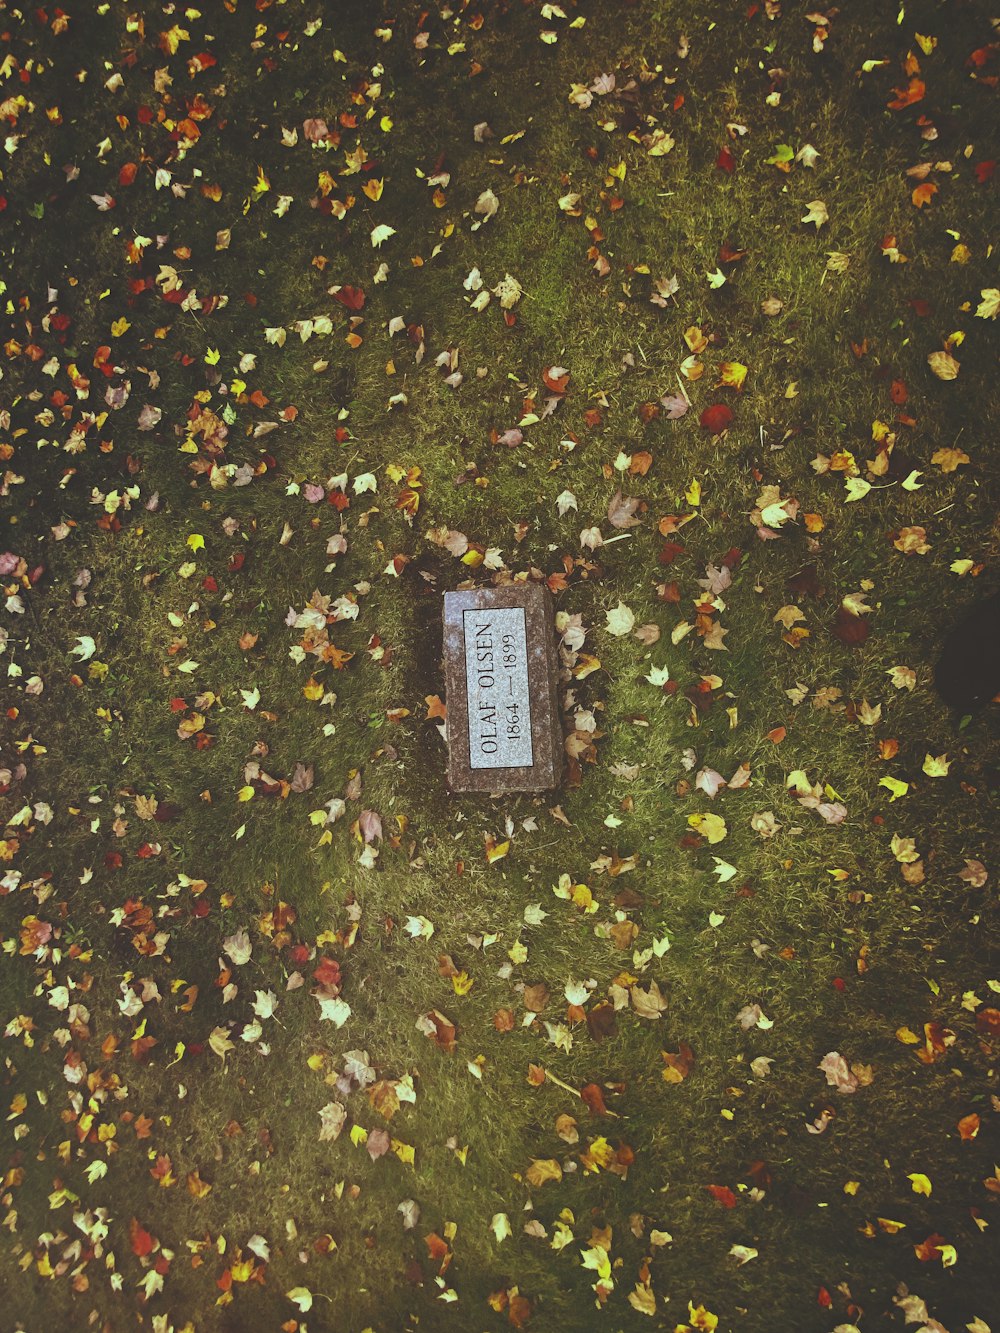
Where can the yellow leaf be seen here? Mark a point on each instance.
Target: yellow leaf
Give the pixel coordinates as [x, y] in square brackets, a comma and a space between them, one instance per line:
[498, 852]
[119, 327]
[897, 787]
[712, 827]
[543, 1169]
[373, 189]
[462, 983]
[313, 689]
[404, 1151]
[172, 38]
[936, 766]
[920, 1183]
[944, 365]
[517, 953]
[851, 1186]
[359, 1135]
[196, 541]
[245, 794]
[581, 897]
[907, 1037]
[693, 493]
[732, 374]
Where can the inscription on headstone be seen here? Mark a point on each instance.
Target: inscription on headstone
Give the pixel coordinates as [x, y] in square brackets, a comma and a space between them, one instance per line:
[496, 682]
[500, 679]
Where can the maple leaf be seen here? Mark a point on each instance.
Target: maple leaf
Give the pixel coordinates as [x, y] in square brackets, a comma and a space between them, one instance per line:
[649, 1003]
[333, 1009]
[621, 510]
[817, 213]
[238, 947]
[620, 620]
[220, 1043]
[332, 1119]
[949, 458]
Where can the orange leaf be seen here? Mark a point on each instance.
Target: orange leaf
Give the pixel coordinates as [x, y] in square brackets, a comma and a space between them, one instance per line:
[907, 96]
[923, 194]
[677, 1064]
[930, 1248]
[968, 1127]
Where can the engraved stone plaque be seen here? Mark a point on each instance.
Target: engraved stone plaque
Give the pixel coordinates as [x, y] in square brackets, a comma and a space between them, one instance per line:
[500, 678]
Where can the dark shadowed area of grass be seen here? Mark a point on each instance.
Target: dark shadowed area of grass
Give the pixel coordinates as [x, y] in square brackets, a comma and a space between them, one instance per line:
[241, 251]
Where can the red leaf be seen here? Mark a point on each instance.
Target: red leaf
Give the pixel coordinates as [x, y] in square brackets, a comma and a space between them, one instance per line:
[723, 1194]
[352, 297]
[594, 1099]
[852, 630]
[729, 254]
[725, 161]
[328, 972]
[806, 582]
[142, 1241]
[127, 174]
[716, 418]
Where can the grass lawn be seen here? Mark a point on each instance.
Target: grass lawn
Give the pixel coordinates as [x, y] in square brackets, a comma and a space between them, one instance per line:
[315, 312]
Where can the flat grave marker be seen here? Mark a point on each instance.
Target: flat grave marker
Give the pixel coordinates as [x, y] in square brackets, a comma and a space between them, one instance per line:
[500, 679]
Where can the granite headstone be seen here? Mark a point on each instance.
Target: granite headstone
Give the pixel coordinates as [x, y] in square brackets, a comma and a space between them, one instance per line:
[500, 679]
